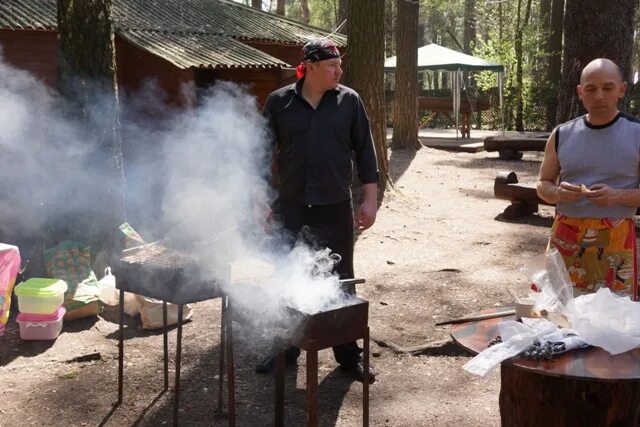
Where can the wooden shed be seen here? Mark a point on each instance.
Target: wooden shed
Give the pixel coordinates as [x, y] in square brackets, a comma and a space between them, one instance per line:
[179, 44]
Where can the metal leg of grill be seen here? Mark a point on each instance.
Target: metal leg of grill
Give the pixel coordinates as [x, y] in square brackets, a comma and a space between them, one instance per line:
[365, 382]
[312, 388]
[223, 348]
[231, 377]
[121, 348]
[279, 385]
[165, 340]
[176, 401]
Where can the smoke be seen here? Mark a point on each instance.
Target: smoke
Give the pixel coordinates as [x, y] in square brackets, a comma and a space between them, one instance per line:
[195, 179]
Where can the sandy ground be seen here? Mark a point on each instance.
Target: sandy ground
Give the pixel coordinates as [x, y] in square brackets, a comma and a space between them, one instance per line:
[438, 250]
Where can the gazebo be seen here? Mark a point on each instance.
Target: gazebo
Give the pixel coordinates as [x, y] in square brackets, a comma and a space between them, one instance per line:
[433, 57]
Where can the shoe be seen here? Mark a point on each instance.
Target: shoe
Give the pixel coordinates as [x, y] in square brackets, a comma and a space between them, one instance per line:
[356, 371]
[268, 364]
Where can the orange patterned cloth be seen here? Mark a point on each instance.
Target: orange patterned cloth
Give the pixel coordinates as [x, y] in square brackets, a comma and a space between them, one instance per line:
[598, 252]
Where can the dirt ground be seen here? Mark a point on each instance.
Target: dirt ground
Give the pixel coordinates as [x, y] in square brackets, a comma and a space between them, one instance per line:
[438, 250]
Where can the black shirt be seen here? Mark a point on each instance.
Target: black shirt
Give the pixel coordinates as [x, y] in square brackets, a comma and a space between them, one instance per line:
[315, 147]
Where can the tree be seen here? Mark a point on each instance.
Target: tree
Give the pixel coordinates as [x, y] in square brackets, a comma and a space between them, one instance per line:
[520, 27]
[86, 77]
[365, 69]
[554, 73]
[593, 29]
[304, 11]
[343, 15]
[280, 7]
[405, 106]
[469, 38]
[257, 4]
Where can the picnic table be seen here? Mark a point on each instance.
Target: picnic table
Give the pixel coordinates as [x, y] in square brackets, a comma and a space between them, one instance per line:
[431, 106]
[585, 387]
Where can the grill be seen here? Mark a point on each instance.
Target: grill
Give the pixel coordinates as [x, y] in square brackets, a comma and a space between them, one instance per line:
[328, 328]
[170, 275]
[337, 325]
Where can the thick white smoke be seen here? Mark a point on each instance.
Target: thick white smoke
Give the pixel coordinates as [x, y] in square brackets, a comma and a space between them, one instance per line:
[195, 178]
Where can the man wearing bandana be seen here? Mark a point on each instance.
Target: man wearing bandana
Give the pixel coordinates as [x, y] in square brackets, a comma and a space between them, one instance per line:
[319, 127]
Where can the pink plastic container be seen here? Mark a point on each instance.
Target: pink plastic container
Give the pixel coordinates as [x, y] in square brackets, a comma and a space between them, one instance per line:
[41, 326]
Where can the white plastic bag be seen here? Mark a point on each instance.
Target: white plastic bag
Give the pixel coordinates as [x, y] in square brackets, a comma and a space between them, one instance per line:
[151, 312]
[606, 320]
[110, 295]
[556, 289]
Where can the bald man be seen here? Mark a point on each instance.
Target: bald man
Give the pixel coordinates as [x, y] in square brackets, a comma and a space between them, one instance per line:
[591, 172]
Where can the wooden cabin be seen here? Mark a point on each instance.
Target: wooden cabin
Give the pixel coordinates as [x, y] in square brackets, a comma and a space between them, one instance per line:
[176, 43]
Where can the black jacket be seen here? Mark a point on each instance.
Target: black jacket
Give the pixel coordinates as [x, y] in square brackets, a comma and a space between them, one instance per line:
[315, 148]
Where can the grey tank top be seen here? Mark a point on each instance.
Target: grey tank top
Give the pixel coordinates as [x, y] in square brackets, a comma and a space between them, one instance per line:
[607, 154]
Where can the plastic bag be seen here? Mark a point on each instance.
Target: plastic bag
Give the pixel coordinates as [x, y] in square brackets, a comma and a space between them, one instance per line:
[606, 320]
[516, 338]
[9, 266]
[151, 312]
[556, 289]
[108, 293]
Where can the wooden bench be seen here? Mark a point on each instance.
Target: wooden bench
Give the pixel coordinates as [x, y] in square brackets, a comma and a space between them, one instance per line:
[524, 198]
[511, 148]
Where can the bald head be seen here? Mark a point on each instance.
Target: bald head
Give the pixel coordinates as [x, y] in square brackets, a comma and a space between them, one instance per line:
[604, 67]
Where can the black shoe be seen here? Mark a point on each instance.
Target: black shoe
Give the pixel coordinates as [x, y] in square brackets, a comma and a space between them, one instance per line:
[268, 364]
[356, 371]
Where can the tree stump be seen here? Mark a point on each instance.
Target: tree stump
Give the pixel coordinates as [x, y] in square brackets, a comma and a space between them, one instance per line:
[528, 398]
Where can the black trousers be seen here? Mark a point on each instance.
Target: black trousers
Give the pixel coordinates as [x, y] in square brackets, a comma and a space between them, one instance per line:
[329, 226]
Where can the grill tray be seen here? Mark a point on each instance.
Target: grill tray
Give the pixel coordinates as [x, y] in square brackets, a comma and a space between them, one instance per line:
[166, 274]
[331, 327]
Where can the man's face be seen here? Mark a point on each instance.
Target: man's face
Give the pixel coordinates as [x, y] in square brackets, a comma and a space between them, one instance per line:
[600, 90]
[326, 73]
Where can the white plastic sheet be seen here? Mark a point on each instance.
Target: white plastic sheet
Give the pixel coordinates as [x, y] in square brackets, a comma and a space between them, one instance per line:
[606, 320]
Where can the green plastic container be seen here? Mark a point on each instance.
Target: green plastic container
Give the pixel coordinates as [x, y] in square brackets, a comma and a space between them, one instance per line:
[40, 296]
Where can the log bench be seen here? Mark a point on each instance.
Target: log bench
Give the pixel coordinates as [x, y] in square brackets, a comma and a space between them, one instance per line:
[511, 148]
[524, 198]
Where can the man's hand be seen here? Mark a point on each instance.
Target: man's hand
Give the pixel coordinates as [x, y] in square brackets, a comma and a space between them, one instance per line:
[366, 214]
[568, 192]
[602, 195]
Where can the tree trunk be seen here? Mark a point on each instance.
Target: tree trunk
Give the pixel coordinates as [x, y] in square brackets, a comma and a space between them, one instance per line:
[280, 7]
[521, 24]
[554, 73]
[405, 107]
[304, 11]
[613, 39]
[469, 37]
[257, 4]
[527, 395]
[343, 15]
[87, 79]
[544, 27]
[365, 70]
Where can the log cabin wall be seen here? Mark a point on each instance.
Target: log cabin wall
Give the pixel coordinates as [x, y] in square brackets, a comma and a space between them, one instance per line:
[137, 67]
[291, 54]
[258, 82]
[32, 51]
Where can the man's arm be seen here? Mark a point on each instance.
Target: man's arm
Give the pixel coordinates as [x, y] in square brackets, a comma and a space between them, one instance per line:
[547, 185]
[603, 195]
[367, 165]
